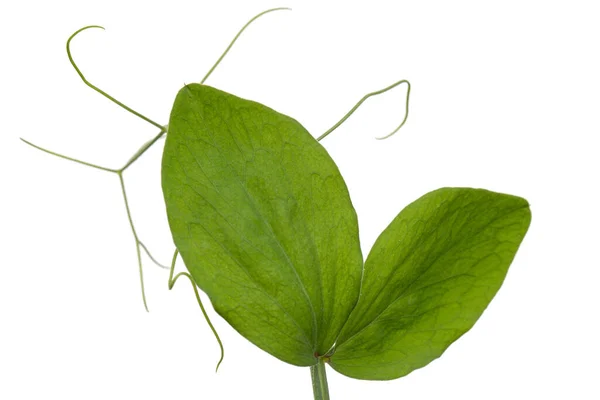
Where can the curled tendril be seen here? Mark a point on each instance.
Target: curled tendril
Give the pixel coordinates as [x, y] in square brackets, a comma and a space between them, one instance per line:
[97, 89]
[173, 280]
[365, 97]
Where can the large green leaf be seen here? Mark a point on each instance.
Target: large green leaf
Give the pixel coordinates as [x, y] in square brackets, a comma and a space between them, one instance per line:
[428, 278]
[263, 221]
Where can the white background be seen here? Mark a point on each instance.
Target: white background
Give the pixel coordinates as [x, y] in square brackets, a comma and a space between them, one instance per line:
[506, 96]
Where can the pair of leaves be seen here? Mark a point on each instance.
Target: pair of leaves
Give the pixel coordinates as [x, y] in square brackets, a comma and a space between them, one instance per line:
[264, 223]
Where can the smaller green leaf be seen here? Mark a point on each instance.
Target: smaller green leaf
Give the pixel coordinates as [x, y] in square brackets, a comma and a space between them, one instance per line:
[428, 278]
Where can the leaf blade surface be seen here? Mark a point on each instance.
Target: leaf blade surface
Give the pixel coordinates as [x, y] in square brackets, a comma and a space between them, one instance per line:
[428, 278]
[263, 221]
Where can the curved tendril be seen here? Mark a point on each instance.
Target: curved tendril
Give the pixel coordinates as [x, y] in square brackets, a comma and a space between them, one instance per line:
[236, 38]
[341, 121]
[172, 281]
[103, 93]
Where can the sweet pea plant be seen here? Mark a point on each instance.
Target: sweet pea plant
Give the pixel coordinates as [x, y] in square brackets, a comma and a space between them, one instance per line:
[263, 221]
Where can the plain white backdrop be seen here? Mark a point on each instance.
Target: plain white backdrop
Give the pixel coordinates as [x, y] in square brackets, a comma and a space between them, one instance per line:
[505, 97]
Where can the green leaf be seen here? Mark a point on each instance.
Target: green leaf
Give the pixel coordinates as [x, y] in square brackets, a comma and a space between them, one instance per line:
[263, 221]
[428, 278]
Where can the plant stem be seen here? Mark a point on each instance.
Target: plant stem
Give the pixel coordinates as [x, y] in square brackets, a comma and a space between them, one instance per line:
[319, 380]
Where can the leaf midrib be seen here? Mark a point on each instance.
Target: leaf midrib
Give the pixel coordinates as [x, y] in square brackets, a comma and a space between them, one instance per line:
[259, 214]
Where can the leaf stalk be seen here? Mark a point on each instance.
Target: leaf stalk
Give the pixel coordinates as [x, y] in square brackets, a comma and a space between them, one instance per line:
[319, 380]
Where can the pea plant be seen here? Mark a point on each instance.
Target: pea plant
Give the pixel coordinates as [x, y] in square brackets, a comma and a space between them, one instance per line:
[263, 221]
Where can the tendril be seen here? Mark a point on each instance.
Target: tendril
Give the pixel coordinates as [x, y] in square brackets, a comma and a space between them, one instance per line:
[138, 243]
[69, 158]
[173, 280]
[163, 129]
[365, 97]
[97, 89]
[236, 38]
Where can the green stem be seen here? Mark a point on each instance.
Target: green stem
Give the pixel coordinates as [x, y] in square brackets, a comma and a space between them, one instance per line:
[319, 380]
[143, 149]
